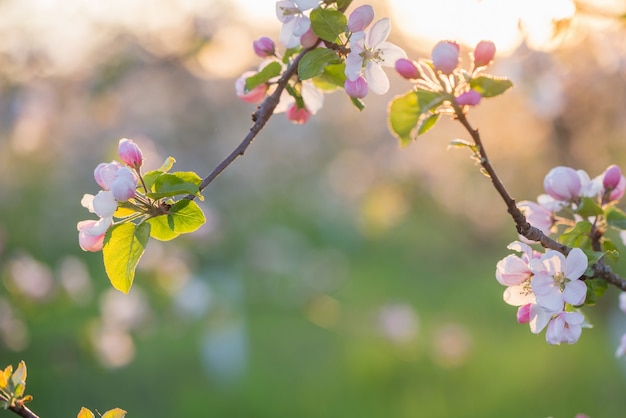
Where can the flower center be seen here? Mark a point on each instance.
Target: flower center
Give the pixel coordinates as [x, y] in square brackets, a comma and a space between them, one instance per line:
[371, 54]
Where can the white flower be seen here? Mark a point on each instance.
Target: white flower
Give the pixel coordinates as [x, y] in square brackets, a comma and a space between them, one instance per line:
[369, 52]
[295, 22]
[556, 279]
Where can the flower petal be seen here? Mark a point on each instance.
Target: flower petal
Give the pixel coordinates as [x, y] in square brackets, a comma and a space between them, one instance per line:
[379, 32]
[575, 292]
[376, 78]
[576, 264]
[390, 54]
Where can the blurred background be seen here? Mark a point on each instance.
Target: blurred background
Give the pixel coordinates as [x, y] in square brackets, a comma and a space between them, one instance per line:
[338, 274]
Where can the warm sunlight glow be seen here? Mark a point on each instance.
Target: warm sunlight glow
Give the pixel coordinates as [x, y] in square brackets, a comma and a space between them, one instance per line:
[506, 23]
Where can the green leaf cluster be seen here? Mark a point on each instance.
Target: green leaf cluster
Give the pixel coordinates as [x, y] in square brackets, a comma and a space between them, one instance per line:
[112, 413]
[152, 215]
[13, 386]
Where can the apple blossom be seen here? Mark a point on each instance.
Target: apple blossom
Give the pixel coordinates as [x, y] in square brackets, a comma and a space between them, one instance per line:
[556, 279]
[445, 56]
[562, 183]
[295, 22]
[407, 69]
[514, 272]
[91, 233]
[105, 174]
[469, 98]
[357, 88]
[565, 327]
[256, 95]
[360, 18]
[370, 53]
[264, 47]
[124, 185]
[538, 215]
[102, 204]
[129, 153]
[309, 39]
[614, 183]
[484, 53]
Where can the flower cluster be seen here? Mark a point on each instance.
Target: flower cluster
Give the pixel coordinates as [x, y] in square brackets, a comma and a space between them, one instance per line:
[443, 73]
[342, 54]
[549, 288]
[119, 184]
[546, 288]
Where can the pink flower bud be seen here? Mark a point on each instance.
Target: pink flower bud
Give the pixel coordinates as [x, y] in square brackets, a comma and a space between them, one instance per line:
[484, 53]
[562, 183]
[309, 39]
[445, 56]
[256, 95]
[297, 115]
[612, 177]
[357, 88]
[129, 153]
[91, 234]
[264, 47]
[407, 69]
[469, 98]
[523, 314]
[124, 185]
[360, 18]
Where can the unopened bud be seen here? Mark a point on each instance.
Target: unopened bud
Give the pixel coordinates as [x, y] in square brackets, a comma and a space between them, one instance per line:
[309, 39]
[297, 115]
[264, 47]
[407, 69]
[469, 98]
[612, 176]
[357, 89]
[129, 153]
[445, 56]
[523, 314]
[484, 53]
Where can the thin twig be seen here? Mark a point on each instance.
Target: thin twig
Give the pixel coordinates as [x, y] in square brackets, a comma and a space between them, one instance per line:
[600, 269]
[19, 409]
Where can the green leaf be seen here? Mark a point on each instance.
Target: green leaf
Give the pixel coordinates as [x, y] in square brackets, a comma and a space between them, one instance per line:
[19, 375]
[404, 113]
[429, 100]
[333, 77]
[314, 62]
[328, 24]
[611, 250]
[167, 165]
[124, 244]
[269, 71]
[183, 217]
[342, 4]
[595, 289]
[428, 123]
[577, 236]
[85, 413]
[490, 86]
[173, 184]
[589, 207]
[615, 217]
[114, 413]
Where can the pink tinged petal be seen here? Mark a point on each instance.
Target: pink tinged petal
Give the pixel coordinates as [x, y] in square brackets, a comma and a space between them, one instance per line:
[556, 328]
[553, 261]
[312, 96]
[379, 33]
[539, 318]
[297, 115]
[91, 234]
[518, 295]
[523, 314]
[256, 95]
[390, 53]
[376, 79]
[360, 18]
[574, 321]
[469, 98]
[562, 183]
[521, 247]
[87, 202]
[104, 204]
[124, 185]
[354, 65]
[445, 56]
[512, 271]
[576, 264]
[309, 39]
[612, 176]
[550, 203]
[548, 293]
[105, 173]
[407, 69]
[575, 292]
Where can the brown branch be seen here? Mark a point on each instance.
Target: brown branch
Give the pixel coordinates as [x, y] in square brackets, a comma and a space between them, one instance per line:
[600, 269]
[19, 408]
